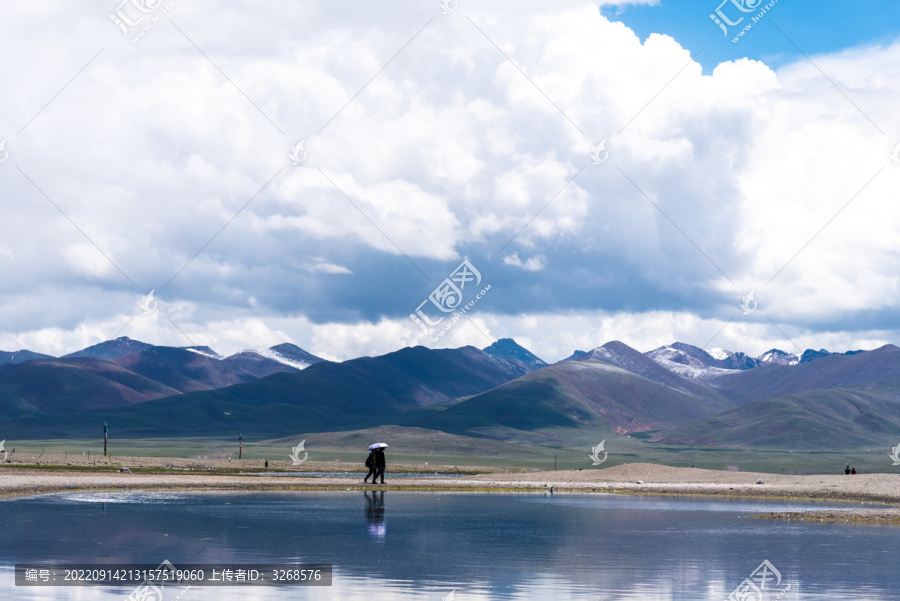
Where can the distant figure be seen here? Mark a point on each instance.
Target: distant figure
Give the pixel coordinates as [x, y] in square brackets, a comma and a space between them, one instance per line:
[853, 471]
[379, 465]
[370, 463]
[847, 471]
[267, 464]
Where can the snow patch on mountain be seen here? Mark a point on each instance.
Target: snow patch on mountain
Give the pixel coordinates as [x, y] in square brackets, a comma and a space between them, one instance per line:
[693, 371]
[611, 353]
[597, 366]
[719, 354]
[780, 357]
[692, 362]
[270, 354]
[671, 354]
[205, 351]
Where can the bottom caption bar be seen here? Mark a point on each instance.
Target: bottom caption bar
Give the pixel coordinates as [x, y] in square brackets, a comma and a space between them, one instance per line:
[153, 576]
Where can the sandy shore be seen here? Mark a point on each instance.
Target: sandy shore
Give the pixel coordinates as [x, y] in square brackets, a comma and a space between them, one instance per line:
[876, 489]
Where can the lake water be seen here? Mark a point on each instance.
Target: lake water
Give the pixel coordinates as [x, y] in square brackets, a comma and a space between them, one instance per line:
[414, 545]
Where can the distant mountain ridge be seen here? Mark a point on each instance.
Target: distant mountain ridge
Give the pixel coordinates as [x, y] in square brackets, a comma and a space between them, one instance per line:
[123, 372]
[613, 387]
[677, 393]
[327, 396]
[691, 361]
[16, 357]
[621, 355]
[846, 397]
[110, 349]
[287, 354]
[505, 348]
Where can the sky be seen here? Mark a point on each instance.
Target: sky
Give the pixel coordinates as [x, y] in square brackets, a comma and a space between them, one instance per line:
[355, 178]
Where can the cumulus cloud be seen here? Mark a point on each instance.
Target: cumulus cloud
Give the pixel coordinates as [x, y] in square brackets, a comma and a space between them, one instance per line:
[745, 178]
[535, 263]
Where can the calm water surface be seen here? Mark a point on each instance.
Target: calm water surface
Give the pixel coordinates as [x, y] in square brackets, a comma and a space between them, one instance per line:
[413, 545]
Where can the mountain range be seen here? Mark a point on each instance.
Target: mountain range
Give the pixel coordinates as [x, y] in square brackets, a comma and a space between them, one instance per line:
[674, 394]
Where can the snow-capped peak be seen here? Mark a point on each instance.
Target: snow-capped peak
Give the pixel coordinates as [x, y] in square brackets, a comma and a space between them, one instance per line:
[780, 357]
[286, 354]
[719, 353]
[205, 351]
[686, 360]
[270, 354]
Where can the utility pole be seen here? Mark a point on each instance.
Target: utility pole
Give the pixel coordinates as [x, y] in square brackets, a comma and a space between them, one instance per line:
[105, 436]
[554, 463]
[240, 446]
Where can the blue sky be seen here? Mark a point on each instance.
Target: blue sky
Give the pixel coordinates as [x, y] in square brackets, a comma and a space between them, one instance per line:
[604, 184]
[807, 27]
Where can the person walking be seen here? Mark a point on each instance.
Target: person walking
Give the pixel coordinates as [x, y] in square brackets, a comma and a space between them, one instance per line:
[379, 465]
[370, 463]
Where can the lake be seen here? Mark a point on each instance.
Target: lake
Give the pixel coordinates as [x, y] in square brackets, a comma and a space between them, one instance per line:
[415, 545]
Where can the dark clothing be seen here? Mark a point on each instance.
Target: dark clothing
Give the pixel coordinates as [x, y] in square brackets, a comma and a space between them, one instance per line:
[379, 465]
[370, 463]
[847, 471]
[853, 471]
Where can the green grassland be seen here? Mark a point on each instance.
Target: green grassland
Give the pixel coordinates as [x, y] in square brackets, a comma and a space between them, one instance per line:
[430, 450]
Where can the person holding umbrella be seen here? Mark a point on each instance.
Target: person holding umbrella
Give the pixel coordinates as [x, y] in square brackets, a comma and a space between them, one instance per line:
[378, 450]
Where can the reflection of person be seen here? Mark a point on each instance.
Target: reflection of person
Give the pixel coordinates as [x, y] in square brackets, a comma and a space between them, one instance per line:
[379, 465]
[370, 463]
[375, 512]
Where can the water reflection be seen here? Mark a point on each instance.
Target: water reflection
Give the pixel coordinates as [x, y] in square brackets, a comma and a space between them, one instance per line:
[375, 513]
[499, 546]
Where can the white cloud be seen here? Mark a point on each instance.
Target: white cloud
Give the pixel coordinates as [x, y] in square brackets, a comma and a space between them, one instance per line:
[87, 260]
[339, 341]
[322, 265]
[448, 152]
[535, 263]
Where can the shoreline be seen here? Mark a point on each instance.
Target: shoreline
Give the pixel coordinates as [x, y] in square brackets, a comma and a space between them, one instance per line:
[882, 491]
[889, 515]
